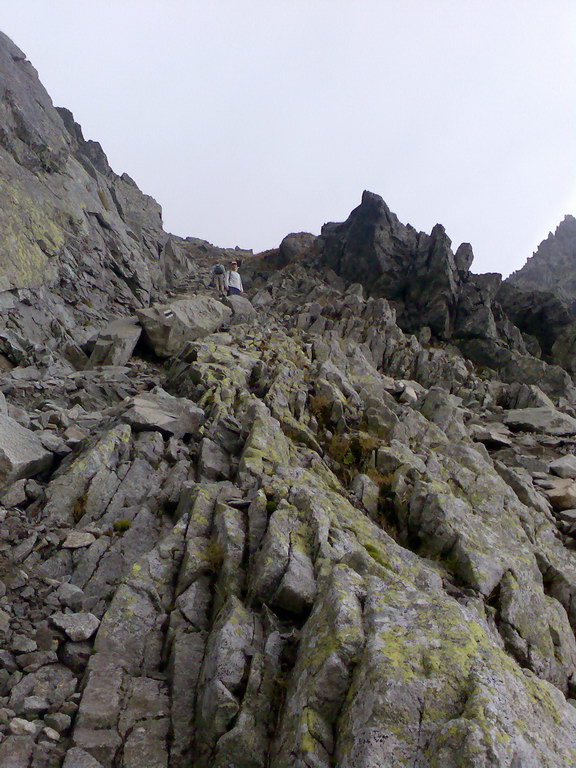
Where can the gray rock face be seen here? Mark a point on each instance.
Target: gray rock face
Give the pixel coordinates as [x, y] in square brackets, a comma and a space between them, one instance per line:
[21, 452]
[546, 420]
[78, 539]
[160, 411]
[296, 246]
[168, 327]
[78, 758]
[540, 298]
[564, 466]
[20, 727]
[540, 313]
[214, 463]
[77, 626]
[242, 309]
[115, 343]
[393, 260]
[564, 348]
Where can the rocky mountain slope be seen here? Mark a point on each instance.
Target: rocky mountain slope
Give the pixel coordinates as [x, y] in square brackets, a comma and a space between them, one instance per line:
[78, 242]
[330, 525]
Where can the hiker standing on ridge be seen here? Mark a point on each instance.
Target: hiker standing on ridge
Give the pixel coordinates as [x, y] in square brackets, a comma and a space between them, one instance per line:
[219, 278]
[234, 281]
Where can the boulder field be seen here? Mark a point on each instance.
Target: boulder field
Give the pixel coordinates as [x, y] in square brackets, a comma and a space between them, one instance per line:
[329, 524]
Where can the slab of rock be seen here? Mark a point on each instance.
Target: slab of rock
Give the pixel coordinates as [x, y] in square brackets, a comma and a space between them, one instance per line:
[568, 516]
[58, 721]
[77, 626]
[4, 621]
[34, 706]
[262, 299]
[23, 644]
[214, 463]
[242, 309]
[548, 421]
[159, 411]
[366, 491]
[14, 494]
[562, 494]
[8, 663]
[20, 727]
[78, 539]
[74, 435]
[71, 596]
[15, 751]
[78, 758]
[565, 466]
[115, 343]
[167, 327]
[492, 435]
[21, 452]
[408, 395]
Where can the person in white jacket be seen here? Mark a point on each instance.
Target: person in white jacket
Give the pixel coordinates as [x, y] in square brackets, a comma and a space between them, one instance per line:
[234, 281]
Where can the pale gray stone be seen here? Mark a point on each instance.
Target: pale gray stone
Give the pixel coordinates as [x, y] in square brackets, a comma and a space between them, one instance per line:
[565, 466]
[562, 494]
[214, 463]
[366, 491]
[115, 343]
[58, 721]
[15, 494]
[168, 327]
[545, 420]
[79, 758]
[71, 596]
[242, 309]
[77, 626]
[21, 452]
[157, 410]
[23, 644]
[78, 540]
[490, 434]
[21, 727]
[34, 706]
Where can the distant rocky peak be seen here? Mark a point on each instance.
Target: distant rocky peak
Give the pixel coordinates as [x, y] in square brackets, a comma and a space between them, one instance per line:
[419, 272]
[567, 225]
[553, 265]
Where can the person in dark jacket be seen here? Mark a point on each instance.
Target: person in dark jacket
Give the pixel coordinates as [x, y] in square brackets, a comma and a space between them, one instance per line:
[219, 278]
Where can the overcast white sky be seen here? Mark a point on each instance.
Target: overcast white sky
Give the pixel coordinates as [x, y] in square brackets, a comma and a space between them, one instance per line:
[250, 119]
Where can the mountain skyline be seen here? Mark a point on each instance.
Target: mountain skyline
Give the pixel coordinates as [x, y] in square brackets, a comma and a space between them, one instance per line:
[246, 124]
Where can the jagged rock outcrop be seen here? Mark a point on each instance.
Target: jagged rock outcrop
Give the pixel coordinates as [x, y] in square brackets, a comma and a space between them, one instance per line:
[430, 286]
[541, 315]
[553, 265]
[417, 271]
[299, 536]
